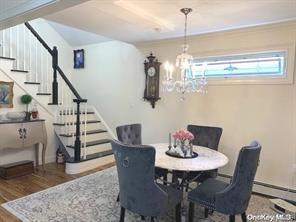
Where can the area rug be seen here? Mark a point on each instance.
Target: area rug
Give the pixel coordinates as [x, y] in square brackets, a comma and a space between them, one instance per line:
[92, 198]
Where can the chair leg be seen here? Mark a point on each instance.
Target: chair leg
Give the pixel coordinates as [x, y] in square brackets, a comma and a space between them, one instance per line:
[178, 212]
[232, 218]
[142, 217]
[117, 200]
[152, 219]
[165, 178]
[122, 213]
[206, 212]
[191, 212]
[244, 217]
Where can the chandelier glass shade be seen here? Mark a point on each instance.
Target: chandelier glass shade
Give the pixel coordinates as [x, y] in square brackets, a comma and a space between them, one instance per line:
[184, 82]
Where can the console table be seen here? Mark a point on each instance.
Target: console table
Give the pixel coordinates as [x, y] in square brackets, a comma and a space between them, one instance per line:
[24, 134]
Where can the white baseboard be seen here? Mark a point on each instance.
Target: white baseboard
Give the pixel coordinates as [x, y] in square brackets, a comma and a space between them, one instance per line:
[74, 168]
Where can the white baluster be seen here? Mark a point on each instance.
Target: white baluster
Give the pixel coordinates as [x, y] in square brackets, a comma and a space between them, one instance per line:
[17, 47]
[3, 43]
[85, 120]
[10, 43]
[36, 60]
[30, 77]
[47, 68]
[24, 48]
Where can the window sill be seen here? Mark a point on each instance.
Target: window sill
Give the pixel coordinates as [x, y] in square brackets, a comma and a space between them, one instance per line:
[251, 81]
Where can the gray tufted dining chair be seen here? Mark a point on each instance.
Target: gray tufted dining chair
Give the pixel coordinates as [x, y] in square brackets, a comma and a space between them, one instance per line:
[139, 193]
[233, 198]
[130, 134]
[207, 136]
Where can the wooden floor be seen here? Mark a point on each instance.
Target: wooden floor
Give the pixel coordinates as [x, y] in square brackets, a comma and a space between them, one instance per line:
[23, 186]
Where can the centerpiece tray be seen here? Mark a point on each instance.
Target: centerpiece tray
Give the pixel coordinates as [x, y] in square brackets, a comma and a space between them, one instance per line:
[176, 155]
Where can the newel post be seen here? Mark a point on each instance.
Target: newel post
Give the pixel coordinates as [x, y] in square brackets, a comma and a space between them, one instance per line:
[77, 151]
[55, 82]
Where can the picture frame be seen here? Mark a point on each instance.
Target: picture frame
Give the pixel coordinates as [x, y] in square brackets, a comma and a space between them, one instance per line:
[6, 94]
[79, 59]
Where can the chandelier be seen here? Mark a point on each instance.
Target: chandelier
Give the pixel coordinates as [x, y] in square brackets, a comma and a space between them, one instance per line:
[186, 82]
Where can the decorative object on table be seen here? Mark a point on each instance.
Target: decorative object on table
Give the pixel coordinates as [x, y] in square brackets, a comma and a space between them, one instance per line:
[17, 169]
[184, 62]
[182, 145]
[6, 94]
[60, 158]
[34, 111]
[15, 115]
[78, 58]
[151, 92]
[27, 99]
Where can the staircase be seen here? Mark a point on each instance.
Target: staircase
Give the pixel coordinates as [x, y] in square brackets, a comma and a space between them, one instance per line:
[28, 61]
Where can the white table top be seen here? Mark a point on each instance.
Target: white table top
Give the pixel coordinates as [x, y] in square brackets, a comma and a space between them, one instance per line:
[207, 159]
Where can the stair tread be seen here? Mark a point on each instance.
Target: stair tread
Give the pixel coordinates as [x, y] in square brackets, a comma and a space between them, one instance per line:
[93, 143]
[34, 83]
[82, 122]
[87, 132]
[19, 70]
[43, 94]
[4, 57]
[53, 104]
[67, 113]
[92, 156]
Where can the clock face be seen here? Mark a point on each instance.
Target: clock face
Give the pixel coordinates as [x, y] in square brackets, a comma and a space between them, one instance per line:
[151, 71]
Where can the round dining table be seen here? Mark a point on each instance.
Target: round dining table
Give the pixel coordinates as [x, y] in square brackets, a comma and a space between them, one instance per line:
[207, 159]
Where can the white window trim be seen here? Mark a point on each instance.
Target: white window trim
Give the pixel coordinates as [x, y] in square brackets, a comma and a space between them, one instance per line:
[287, 78]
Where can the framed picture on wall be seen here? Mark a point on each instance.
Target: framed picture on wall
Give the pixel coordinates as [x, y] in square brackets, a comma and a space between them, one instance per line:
[78, 58]
[6, 94]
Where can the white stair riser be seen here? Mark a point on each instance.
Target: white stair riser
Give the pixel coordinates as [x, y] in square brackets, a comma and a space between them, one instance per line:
[18, 77]
[71, 118]
[89, 138]
[74, 168]
[70, 129]
[6, 65]
[92, 149]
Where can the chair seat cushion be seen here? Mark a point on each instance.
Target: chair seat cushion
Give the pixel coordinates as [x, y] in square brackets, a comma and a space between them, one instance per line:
[204, 194]
[174, 195]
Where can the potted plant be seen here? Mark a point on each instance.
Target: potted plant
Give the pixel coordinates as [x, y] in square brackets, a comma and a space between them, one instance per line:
[27, 99]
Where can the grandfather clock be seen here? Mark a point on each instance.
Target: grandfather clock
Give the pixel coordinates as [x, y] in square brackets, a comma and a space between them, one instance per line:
[152, 67]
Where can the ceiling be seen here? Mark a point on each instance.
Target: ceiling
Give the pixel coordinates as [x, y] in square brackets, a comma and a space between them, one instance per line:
[13, 12]
[77, 37]
[146, 20]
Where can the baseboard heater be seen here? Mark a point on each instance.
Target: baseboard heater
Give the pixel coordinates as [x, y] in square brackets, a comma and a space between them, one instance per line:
[274, 187]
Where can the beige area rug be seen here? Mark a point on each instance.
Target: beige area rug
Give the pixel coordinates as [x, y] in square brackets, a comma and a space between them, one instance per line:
[93, 198]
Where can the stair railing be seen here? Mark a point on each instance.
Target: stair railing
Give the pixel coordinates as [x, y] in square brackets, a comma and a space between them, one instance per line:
[67, 109]
[77, 133]
[17, 42]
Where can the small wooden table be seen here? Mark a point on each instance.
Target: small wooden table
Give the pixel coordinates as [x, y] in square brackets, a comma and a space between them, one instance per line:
[24, 134]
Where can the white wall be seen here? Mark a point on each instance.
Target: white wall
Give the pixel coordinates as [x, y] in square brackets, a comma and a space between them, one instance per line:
[113, 81]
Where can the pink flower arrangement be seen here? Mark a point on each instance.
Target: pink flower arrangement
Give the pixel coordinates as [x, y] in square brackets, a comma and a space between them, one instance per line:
[183, 135]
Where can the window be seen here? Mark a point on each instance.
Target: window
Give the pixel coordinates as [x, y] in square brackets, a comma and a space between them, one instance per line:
[266, 64]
